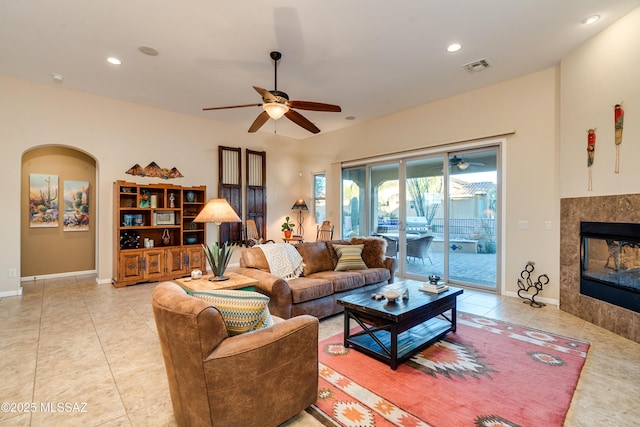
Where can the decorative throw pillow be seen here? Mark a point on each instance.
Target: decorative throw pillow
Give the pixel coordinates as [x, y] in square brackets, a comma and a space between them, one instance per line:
[349, 257]
[242, 311]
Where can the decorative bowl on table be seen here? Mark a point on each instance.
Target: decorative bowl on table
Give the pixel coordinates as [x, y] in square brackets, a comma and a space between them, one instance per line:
[391, 296]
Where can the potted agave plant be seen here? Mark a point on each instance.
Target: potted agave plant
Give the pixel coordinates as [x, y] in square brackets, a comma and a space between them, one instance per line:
[218, 258]
[287, 227]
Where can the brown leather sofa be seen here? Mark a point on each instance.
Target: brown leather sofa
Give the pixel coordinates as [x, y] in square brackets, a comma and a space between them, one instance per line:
[319, 287]
[259, 378]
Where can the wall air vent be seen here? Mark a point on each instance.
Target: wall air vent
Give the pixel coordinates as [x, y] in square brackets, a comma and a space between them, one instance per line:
[475, 66]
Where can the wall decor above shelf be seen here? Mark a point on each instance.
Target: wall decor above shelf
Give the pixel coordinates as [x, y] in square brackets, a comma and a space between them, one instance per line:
[152, 170]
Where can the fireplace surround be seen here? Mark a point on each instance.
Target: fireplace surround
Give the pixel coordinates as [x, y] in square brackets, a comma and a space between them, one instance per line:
[574, 211]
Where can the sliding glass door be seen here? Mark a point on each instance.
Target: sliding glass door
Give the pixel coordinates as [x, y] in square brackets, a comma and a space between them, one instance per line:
[438, 213]
[471, 226]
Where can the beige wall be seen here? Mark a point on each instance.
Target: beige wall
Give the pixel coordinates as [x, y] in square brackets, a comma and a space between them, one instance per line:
[119, 134]
[52, 250]
[538, 164]
[527, 105]
[601, 73]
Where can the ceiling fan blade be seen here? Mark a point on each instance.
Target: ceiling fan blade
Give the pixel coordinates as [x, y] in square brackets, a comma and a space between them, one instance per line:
[300, 120]
[265, 94]
[231, 106]
[259, 121]
[314, 106]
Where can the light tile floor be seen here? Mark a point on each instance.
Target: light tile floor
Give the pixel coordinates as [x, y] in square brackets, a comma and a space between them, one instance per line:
[69, 340]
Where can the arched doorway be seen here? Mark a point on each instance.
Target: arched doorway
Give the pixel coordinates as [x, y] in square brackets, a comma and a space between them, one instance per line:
[58, 211]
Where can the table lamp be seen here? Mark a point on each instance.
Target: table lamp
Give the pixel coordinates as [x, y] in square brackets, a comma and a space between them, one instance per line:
[218, 211]
[300, 205]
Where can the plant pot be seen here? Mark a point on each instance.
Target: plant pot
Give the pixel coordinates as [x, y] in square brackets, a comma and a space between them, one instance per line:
[287, 234]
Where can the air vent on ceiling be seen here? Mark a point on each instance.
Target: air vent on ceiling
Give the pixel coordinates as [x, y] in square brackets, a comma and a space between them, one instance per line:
[475, 66]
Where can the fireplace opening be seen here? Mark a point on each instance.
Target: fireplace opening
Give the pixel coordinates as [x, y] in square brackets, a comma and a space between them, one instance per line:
[610, 263]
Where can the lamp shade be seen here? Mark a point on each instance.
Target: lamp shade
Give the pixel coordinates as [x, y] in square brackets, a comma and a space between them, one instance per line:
[218, 211]
[300, 205]
[275, 110]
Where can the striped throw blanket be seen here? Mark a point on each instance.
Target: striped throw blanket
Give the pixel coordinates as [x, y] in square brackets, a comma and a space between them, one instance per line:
[283, 259]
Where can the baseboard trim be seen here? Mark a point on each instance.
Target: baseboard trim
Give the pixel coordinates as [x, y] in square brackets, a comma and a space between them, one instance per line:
[11, 293]
[56, 275]
[548, 301]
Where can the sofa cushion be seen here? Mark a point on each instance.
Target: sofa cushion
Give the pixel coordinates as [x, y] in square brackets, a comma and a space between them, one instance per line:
[316, 257]
[309, 288]
[375, 275]
[254, 258]
[342, 280]
[373, 252]
[242, 311]
[349, 257]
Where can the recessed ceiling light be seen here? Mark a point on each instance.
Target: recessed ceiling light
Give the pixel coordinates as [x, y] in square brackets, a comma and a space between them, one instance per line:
[114, 61]
[350, 118]
[454, 47]
[590, 20]
[58, 78]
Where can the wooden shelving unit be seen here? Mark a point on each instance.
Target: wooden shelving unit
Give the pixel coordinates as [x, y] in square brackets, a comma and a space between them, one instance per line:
[164, 214]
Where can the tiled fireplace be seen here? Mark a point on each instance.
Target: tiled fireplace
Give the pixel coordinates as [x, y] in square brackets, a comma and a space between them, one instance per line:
[574, 211]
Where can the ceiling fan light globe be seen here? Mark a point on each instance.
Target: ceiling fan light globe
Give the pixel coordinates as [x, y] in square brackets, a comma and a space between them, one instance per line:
[462, 165]
[275, 110]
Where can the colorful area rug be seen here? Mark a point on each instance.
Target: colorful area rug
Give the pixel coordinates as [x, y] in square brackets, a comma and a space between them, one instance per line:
[488, 373]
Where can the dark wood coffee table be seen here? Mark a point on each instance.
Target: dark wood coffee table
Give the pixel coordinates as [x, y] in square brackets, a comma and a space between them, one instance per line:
[392, 332]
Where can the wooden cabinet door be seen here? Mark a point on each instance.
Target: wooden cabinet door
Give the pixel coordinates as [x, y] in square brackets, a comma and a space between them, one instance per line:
[196, 260]
[175, 261]
[130, 266]
[154, 263]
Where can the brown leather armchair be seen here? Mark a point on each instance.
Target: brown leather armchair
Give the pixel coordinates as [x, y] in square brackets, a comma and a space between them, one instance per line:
[259, 378]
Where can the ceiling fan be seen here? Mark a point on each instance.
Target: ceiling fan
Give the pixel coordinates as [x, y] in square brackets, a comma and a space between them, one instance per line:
[461, 164]
[276, 104]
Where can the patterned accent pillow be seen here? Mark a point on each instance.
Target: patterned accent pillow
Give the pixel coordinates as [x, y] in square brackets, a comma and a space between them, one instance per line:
[350, 257]
[242, 311]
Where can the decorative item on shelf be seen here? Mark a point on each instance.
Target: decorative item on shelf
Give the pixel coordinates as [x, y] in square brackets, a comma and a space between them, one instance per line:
[154, 171]
[166, 239]
[190, 196]
[172, 200]
[287, 227]
[154, 201]
[300, 205]
[129, 240]
[524, 288]
[145, 199]
[218, 211]
[190, 240]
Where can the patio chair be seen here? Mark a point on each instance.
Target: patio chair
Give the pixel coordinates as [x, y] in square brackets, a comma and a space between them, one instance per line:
[392, 246]
[419, 248]
[325, 232]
